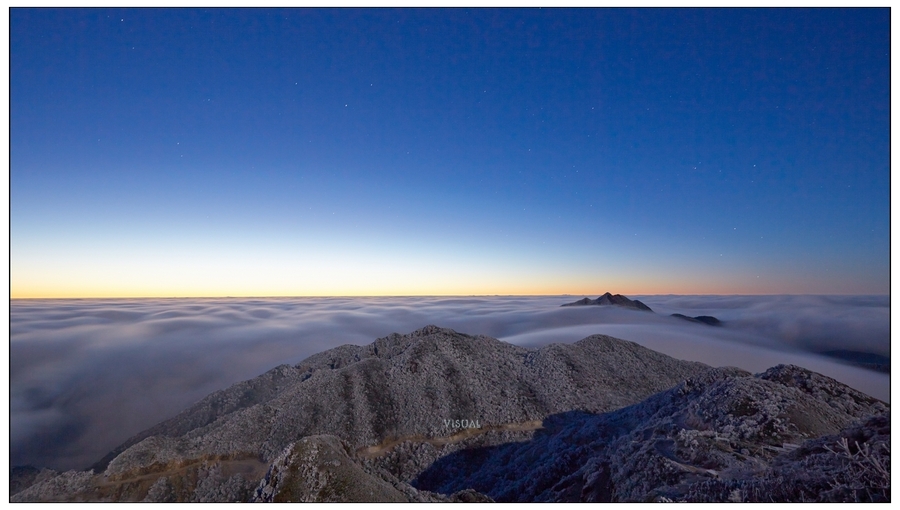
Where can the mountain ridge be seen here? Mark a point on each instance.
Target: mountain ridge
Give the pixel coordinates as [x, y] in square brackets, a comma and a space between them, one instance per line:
[375, 416]
[608, 299]
[367, 388]
[709, 431]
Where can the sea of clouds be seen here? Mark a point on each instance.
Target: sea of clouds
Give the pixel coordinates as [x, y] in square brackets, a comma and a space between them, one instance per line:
[85, 375]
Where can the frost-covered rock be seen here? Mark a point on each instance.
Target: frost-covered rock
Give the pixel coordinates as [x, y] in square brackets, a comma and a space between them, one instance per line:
[56, 488]
[407, 385]
[323, 469]
[598, 420]
[711, 438]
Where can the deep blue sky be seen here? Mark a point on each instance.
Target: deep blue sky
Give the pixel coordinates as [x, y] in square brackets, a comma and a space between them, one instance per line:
[169, 152]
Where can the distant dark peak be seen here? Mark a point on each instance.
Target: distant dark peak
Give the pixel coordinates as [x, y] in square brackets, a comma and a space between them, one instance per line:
[709, 319]
[609, 299]
[612, 299]
[867, 360]
[703, 319]
[858, 356]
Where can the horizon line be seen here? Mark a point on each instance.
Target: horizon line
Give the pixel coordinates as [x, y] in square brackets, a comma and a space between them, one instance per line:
[438, 295]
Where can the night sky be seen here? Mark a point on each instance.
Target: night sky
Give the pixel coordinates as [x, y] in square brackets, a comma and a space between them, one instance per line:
[298, 152]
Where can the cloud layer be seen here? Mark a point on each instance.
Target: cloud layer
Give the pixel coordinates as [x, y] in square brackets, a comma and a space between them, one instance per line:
[87, 374]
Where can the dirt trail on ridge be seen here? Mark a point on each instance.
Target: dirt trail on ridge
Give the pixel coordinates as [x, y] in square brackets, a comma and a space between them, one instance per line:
[386, 446]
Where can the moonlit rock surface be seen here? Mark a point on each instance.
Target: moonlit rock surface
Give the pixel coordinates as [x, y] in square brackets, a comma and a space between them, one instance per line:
[405, 385]
[723, 436]
[590, 421]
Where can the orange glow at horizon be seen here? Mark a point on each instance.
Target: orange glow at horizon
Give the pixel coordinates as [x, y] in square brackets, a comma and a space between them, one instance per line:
[460, 289]
[280, 274]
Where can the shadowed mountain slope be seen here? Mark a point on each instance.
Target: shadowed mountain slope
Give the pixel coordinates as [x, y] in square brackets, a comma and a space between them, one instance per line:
[725, 435]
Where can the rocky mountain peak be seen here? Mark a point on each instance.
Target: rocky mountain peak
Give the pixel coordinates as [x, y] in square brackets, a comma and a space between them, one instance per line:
[609, 299]
[612, 299]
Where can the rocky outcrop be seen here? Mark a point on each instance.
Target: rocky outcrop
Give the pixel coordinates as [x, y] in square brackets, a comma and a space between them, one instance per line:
[725, 435]
[324, 469]
[22, 477]
[66, 486]
[321, 469]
